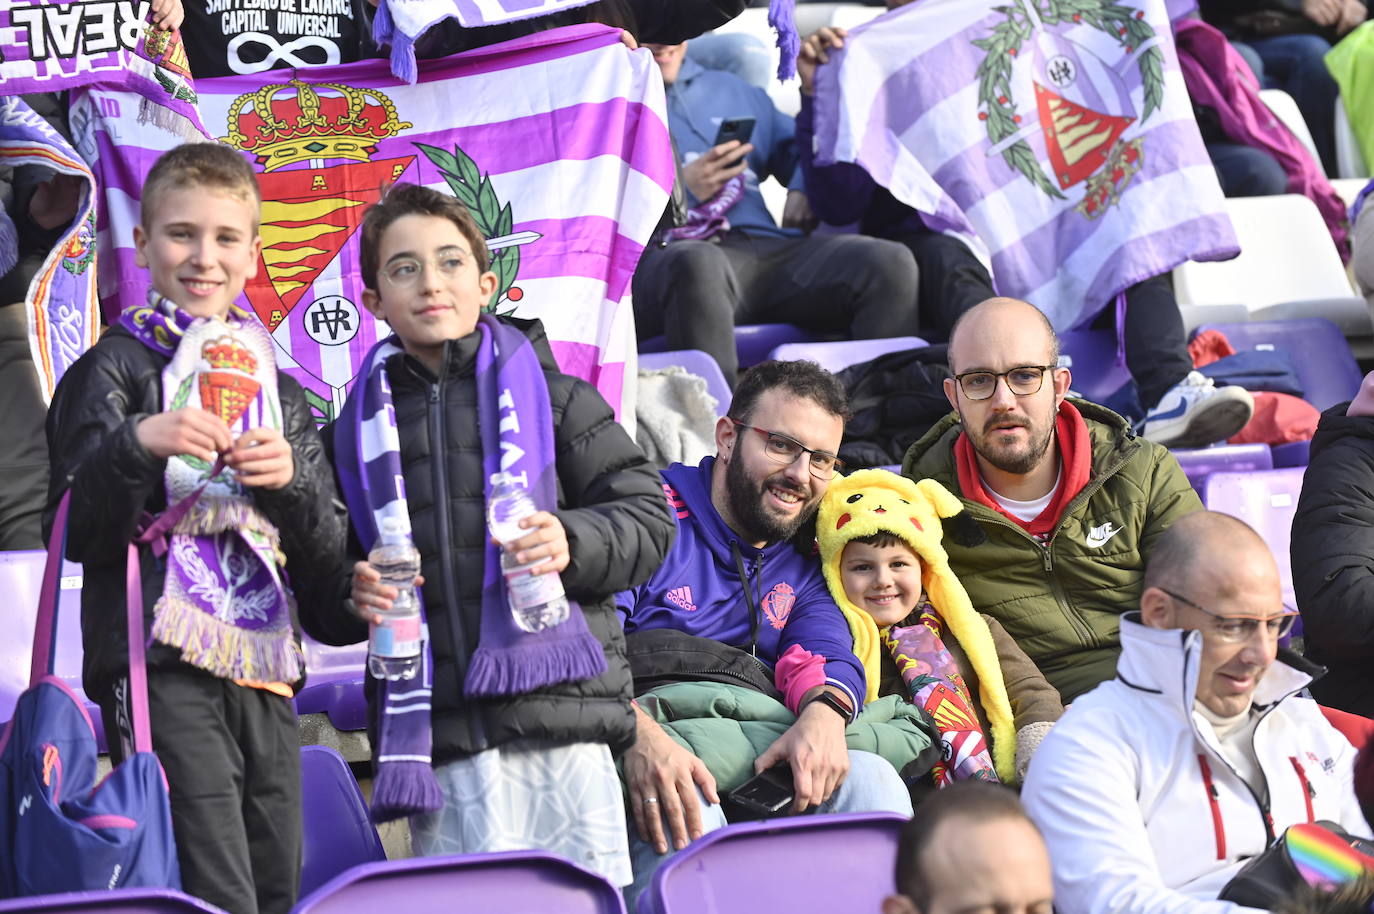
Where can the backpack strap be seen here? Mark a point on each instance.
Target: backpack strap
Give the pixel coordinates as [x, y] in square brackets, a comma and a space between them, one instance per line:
[45, 625]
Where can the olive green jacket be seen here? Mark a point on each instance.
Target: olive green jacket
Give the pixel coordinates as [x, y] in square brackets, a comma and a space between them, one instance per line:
[1062, 601]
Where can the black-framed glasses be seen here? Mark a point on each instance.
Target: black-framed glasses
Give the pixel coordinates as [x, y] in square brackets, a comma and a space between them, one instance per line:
[784, 450]
[1238, 628]
[1023, 380]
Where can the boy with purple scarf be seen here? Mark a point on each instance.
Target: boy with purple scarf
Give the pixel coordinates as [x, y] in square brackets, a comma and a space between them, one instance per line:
[180, 406]
[512, 746]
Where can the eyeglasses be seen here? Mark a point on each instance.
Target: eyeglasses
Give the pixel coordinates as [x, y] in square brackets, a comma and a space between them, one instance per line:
[1022, 380]
[1238, 628]
[784, 450]
[406, 272]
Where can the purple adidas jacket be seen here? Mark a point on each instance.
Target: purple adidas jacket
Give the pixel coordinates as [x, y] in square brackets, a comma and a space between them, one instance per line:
[697, 589]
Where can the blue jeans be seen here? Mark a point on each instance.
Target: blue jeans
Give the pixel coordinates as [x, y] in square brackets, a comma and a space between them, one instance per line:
[872, 785]
[1294, 63]
[1245, 171]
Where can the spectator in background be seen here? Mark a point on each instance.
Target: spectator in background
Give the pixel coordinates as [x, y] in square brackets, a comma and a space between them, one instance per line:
[1154, 789]
[1332, 551]
[1288, 39]
[971, 848]
[1182, 408]
[1362, 241]
[733, 264]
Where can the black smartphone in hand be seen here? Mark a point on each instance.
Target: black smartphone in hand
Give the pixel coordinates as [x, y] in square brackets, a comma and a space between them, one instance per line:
[734, 128]
[765, 795]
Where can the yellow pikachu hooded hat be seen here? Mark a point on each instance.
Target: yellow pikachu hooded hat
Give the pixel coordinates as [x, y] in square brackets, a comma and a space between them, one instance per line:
[870, 501]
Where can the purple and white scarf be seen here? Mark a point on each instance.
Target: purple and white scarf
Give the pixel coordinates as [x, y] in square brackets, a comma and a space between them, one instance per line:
[516, 427]
[224, 603]
[709, 219]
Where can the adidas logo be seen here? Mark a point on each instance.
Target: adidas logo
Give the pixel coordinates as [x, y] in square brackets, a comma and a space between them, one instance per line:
[682, 597]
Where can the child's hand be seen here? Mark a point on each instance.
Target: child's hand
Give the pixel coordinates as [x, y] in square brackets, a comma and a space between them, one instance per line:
[262, 458]
[167, 14]
[370, 596]
[547, 544]
[189, 432]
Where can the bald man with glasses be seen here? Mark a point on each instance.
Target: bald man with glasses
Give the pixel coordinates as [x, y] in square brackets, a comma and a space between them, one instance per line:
[1071, 500]
[1155, 788]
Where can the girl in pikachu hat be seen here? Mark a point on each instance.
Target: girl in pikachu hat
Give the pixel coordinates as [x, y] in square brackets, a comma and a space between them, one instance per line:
[916, 631]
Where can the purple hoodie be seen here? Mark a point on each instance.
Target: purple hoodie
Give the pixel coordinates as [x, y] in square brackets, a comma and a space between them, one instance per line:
[697, 589]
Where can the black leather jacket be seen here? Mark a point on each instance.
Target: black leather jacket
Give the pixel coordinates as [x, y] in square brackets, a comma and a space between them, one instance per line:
[94, 451]
[610, 501]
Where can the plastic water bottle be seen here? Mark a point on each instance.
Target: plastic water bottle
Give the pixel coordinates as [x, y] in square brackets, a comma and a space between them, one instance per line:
[536, 600]
[393, 645]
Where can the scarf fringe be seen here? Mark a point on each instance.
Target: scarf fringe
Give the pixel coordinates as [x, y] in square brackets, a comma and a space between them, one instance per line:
[531, 664]
[150, 112]
[9, 243]
[781, 17]
[223, 649]
[404, 789]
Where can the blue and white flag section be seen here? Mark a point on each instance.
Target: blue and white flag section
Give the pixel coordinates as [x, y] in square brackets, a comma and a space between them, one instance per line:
[1055, 136]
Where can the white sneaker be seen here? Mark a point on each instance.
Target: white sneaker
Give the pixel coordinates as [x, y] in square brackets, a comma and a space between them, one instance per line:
[1196, 413]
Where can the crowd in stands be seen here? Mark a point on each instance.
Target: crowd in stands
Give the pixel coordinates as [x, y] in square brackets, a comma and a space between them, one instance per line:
[1035, 601]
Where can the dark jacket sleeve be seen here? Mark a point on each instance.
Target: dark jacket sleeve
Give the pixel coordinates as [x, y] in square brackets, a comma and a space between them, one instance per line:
[321, 594]
[617, 520]
[93, 450]
[307, 511]
[839, 194]
[1332, 543]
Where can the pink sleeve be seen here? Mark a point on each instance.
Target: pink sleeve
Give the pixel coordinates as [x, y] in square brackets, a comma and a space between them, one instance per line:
[797, 672]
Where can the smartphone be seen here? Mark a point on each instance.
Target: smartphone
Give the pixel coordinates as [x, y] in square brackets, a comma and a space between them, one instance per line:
[765, 795]
[735, 128]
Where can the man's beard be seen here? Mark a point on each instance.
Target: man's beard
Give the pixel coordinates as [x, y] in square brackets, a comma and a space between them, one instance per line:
[746, 506]
[1016, 461]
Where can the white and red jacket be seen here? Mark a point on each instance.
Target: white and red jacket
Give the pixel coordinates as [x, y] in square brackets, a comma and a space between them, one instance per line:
[1140, 809]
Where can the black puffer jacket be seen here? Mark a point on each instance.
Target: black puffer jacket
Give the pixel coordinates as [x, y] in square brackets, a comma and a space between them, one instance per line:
[1332, 551]
[610, 502]
[94, 450]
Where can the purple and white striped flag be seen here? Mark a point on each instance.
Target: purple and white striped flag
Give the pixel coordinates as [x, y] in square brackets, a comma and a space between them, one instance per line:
[400, 23]
[557, 144]
[1055, 136]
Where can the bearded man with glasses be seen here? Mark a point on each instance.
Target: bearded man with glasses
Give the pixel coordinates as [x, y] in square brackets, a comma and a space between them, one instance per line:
[1154, 789]
[1070, 498]
[743, 580]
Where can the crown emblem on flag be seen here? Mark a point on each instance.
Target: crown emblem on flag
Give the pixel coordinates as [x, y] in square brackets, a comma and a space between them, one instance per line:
[292, 122]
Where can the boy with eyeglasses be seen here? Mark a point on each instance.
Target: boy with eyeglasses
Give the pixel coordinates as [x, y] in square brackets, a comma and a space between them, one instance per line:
[504, 739]
[743, 573]
[1154, 789]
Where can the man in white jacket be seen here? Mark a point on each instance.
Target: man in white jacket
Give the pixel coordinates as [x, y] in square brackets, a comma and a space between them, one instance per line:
[1156, 786]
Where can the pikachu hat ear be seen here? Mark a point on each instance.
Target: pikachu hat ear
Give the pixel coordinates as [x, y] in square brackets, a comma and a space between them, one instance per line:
[958, 524]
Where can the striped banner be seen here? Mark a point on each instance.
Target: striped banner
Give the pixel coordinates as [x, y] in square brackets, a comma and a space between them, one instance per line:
[1055, 136]
[64, 316]
[556, 142]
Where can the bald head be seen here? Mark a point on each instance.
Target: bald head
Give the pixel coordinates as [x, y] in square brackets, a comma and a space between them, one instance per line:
[983, 325]
[1209, 548]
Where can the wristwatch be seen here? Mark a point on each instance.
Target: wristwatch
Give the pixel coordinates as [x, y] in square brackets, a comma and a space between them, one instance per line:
[830, 701]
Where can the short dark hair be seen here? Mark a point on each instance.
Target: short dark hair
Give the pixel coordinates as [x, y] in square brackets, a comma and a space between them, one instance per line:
[802, 379]
[414, 200]
[976, 801]
[209, 165]
[881, 539]
[1351, 897]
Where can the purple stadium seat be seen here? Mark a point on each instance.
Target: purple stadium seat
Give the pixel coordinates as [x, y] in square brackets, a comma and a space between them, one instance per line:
[1223, 458]
[843, 353]
[1326, 368]
[515, 882]
[1265, 500]
[338, 830]
[21, 575]
[753, 342]
[334, 684]
[1292, 454]
[695, 362]
[1090, 355]
[122, 901]
[804, 865]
